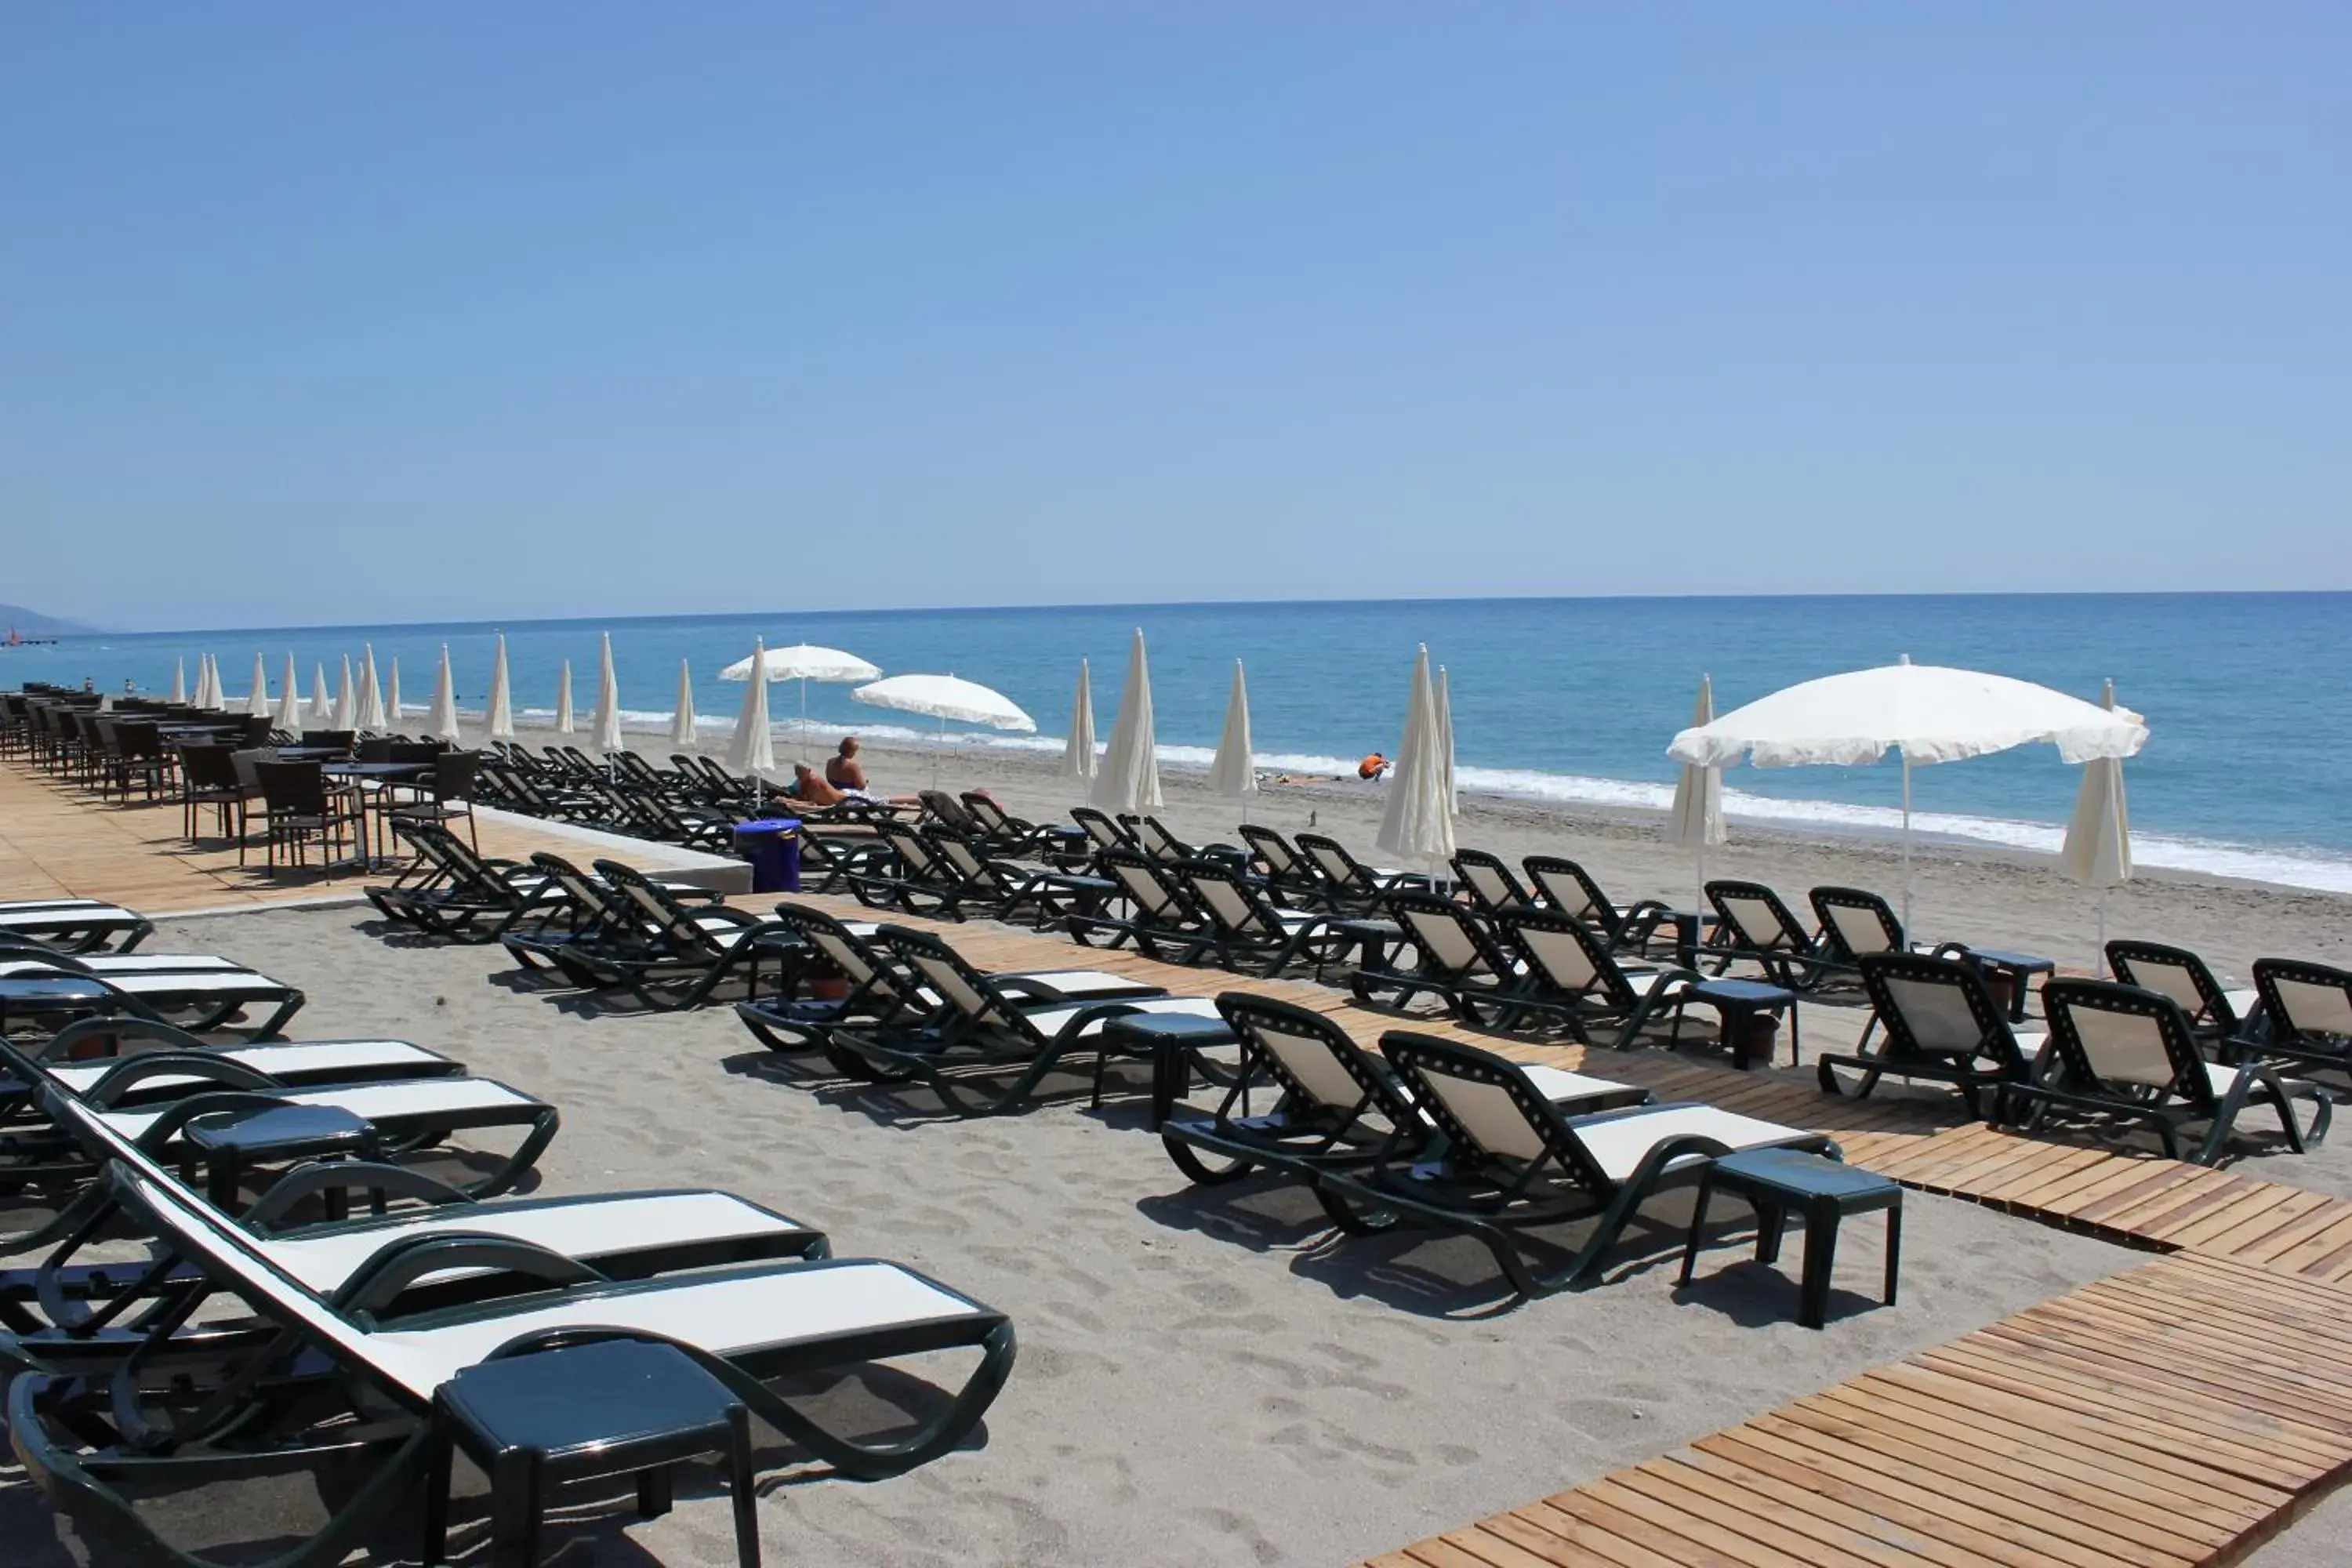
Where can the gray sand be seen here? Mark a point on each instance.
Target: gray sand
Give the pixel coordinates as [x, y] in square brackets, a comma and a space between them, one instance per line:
[1200, 1380]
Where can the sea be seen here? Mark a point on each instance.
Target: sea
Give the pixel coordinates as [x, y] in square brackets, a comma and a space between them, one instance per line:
[1564, 700]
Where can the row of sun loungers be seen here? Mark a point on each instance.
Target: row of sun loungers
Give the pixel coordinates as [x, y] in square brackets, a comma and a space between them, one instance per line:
[259, 1340]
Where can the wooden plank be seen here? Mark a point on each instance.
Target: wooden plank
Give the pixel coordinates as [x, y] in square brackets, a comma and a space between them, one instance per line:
[1748, 1520]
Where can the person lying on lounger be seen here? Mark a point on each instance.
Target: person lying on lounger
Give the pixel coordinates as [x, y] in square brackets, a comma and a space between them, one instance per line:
[811, 788]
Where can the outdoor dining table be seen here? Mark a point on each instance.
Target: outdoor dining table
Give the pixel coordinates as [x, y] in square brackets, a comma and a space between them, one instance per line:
[382, 773]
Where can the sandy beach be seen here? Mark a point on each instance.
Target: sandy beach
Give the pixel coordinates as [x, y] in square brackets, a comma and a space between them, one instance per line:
[1199, 1379]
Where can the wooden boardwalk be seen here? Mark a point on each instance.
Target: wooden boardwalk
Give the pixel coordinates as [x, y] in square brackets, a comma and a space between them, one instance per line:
[56, 842]
[2180, 1414]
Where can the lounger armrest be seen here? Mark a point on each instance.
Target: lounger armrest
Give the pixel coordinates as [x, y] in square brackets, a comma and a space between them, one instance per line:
[379, 1282]
[209, 1065]
[374, 1176]
[65, 1042]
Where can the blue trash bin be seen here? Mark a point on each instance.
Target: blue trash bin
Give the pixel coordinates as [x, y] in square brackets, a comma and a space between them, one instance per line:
[772, 845]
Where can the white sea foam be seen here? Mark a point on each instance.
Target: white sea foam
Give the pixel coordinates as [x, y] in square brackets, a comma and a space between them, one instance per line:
[2313, 868]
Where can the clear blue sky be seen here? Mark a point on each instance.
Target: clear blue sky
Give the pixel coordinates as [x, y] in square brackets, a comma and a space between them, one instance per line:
[338, 313]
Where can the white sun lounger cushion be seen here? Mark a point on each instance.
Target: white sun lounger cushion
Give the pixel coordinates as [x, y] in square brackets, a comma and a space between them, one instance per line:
[724, 1316]
[1076, 983]
[1619, 1145]
[1051, 1021]
[584, 1229]
[407, 1099]
[1560, 1085]
[279, 1060]
[78, 911]
[111, 965]
[27, 906]
[228, 980]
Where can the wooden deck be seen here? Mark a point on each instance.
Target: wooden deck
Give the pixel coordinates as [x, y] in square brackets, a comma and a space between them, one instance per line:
[58, 842]
[2180, 1414]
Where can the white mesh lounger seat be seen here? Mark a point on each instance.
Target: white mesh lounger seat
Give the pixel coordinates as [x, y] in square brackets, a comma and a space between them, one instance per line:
[304, 1063]
[410, 1114]
[1511, 1163]
[202, 997]
[79, 1436]
[984, 1027]
[74, 925]
[1941, 1025]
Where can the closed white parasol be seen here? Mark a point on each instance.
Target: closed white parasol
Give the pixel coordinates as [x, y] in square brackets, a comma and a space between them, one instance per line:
[1930, 713]
[681, 719]
[371, 714]
[605, 730]
[804, 662]
[2097, 851]
[441, 720]
[347, 698]
[497, 719]
[1695, 820]
[1078, 751]
[752, 748]
[1414, 822]
[322, 706]
[1445, 739]
[289, 699]
[258, 704]
[180, 681]
[1129, 778]
[564, 724]
[393, 711]
[1235, 770]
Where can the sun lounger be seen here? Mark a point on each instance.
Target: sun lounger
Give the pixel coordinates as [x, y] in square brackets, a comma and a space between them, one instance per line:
[1942, 1025]
[674, 955]
[2307, 1013]
[93, 1446]
[1489, 879]
[1454, 959]
[1855, 923]
[1288, 877]
[584, 912]
[991, 1028]
[75, 925]
[200, 994]
[1340, 1106]
[1246, 931]
[1351, 887]
[1752, 925]
[917, 878]
[1006, 889]
[1513, 1164]
[621, 1235]
[1568, 970]
[1565, 885]
[2215, 1013]
[1158, 917]
[2128, 1058]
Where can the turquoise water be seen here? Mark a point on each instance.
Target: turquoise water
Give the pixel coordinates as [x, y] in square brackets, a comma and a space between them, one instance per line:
[1567, 700]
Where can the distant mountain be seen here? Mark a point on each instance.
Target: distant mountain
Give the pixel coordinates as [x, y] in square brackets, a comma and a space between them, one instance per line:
[33, 623]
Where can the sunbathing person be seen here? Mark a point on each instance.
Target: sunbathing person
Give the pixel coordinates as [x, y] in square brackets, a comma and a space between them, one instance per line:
[842, 769]
[811, 788]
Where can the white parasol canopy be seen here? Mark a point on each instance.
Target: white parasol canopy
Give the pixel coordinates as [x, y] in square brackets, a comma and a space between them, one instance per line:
[498, 720]
[347, 698]
[1414, 821]
[947, 699]
[322, 707]
[180, 680]
[1235, 770]
[441, 720]
[259, 705]
[681, 723]
[1078, 751]
[564, 723]
[606, 726]
[371, 715]
[1930, 713]
[289, 699]
[392, 705]
[1445, 739]
[752, 748]
[804, 662]
[1129, 778]
[203, 697]
[2097, 851]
